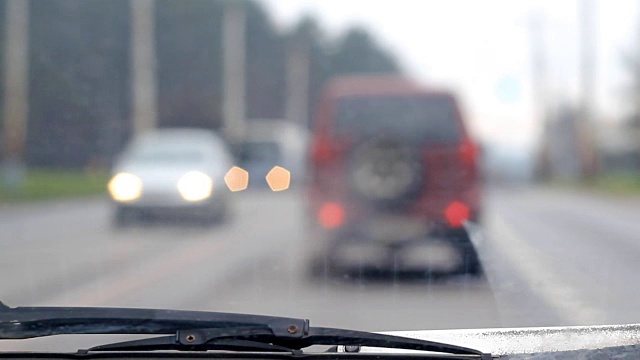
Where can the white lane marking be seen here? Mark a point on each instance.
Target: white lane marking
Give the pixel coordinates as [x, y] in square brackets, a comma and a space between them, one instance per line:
[540, 277]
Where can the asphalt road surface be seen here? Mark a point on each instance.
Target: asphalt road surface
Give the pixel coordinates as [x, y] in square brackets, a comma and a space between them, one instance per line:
[550, 257]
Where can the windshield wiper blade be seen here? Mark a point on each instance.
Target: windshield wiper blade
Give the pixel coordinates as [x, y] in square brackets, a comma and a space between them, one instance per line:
[199, 330]
[257, 339]
[170, 343]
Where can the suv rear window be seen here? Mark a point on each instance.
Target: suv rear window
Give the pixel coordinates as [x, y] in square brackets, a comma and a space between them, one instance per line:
[419, 119]
[261, 151]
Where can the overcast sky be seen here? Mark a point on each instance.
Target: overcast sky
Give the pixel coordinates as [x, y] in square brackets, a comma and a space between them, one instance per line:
[482, 50]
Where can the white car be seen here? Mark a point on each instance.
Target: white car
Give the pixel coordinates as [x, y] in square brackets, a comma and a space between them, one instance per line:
[174, 172]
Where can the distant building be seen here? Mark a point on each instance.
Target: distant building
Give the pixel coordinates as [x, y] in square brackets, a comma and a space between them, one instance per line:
[618, 146]
[561, 149]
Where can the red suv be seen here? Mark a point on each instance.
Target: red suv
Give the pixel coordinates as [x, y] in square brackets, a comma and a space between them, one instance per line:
[394, 177]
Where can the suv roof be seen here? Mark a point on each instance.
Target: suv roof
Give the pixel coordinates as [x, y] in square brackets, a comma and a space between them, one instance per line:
[368, 85]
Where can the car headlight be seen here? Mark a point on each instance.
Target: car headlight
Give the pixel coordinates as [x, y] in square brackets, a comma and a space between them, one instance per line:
[195, 186]
[125, 187]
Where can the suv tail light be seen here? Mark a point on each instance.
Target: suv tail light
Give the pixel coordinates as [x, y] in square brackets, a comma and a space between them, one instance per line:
[323, 152]
[331, 215]
[469, 153]
[456, 213]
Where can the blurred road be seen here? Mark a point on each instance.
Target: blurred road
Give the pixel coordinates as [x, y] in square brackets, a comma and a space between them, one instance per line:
[570, 256]
[551, 258]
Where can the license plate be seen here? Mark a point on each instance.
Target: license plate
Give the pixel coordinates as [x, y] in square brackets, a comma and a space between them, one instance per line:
[397, 229]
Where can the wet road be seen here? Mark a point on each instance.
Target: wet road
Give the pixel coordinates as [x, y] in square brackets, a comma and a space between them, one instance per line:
[551, 258]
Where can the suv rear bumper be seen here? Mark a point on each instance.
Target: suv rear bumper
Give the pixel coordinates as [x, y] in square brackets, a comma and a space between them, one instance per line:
[440, 250]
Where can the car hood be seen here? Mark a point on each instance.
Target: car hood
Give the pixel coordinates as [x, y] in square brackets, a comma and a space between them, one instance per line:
[509, 341]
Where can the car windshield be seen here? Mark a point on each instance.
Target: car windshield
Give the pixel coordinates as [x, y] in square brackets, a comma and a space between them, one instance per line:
[387, 165]
[171, 155]
[430, 120]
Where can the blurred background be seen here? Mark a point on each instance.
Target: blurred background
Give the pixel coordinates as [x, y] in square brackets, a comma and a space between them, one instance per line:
[549, 90]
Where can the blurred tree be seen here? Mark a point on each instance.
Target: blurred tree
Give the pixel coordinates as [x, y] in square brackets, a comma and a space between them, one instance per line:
[354, 52]
[189, 62]
[357, 52]
[80, 109]
[265, 60]
[78, 81]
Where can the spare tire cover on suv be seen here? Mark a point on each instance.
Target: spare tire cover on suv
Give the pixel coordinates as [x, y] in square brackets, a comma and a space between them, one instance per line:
[385, 172]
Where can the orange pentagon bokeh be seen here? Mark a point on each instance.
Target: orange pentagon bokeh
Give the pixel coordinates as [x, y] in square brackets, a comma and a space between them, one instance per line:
[237, 179]
[278, 178]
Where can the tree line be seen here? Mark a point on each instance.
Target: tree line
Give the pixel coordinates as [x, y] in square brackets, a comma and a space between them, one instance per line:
[79, 70]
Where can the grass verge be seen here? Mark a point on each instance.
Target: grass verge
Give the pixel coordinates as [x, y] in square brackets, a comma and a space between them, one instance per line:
[45, 184]
[620, 184]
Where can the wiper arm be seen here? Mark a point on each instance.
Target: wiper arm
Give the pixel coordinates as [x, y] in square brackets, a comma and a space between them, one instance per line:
[198, 330]
[30, 322]
[257, 339]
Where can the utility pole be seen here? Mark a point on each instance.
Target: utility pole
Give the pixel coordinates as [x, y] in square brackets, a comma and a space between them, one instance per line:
[143, 65]
[16, 91]
[297, 100]
[539, 79]
[234, 45]
[589, 152]
[636, 64]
